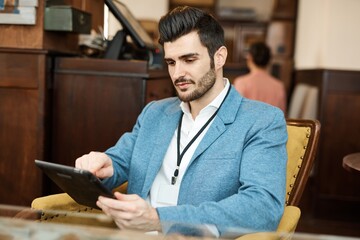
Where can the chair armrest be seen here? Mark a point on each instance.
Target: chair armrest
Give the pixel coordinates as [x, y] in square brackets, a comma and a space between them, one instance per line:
[260, 236]
[285, 229]
[289, 219]
[61, 208]
[61, 201]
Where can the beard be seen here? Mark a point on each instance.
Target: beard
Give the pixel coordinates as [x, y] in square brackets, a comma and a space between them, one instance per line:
[205, 83]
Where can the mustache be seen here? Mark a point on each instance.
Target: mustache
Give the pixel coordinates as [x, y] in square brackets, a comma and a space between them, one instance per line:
[183, 80]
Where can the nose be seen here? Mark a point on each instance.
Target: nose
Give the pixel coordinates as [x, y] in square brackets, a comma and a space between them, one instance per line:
[178, 71]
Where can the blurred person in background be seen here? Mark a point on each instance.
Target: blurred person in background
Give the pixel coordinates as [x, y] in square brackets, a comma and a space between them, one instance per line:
[258, 84]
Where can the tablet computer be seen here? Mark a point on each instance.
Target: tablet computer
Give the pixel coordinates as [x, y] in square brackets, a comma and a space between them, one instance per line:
[83, 186]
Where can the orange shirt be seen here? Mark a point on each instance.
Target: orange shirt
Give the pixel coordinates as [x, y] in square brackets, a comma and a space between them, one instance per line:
[261, 86]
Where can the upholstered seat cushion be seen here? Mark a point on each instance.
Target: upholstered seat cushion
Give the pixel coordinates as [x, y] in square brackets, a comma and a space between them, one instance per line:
[61, 208]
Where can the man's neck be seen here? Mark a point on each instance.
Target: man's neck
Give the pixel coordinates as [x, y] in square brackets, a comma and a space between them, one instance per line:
[197, 105]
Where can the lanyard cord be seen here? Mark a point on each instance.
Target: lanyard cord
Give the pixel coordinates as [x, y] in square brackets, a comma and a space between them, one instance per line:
[180, 155]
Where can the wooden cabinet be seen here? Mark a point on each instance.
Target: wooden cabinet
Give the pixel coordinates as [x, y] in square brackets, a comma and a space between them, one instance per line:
[35, 37]
[27, 53]
[56, 109]
[95, 101]
[24, 93]
[87, 106]
[334, 192]
[94, 7]
[238, 38]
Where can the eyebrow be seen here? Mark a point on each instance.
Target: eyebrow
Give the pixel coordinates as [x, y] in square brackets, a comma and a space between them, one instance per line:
[183, 56]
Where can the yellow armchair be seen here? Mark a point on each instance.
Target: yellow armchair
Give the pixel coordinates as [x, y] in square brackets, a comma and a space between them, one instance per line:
[301, 148]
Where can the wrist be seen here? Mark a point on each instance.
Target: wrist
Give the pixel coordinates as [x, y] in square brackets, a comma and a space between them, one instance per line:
[155, 219]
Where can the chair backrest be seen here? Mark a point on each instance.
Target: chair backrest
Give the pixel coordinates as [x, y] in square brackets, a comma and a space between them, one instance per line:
[303, 138]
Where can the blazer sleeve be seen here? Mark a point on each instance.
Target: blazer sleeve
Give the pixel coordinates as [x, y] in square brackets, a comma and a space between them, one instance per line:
[121, 153]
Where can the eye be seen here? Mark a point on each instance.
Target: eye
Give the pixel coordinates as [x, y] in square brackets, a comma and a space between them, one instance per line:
[189, 60]
[170, 62]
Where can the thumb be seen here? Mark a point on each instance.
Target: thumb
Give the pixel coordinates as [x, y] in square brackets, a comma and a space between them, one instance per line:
[104, 172]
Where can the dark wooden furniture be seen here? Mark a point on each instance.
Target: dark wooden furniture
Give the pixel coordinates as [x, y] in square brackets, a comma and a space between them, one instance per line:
[333, 192]
[24, 84]
[30, 126]
[34, 36]
[96, 100]
[88, 106]
[351, 162]
[26, 61]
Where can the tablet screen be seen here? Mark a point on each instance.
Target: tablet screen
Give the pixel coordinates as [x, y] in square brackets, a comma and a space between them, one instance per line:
[83, 186]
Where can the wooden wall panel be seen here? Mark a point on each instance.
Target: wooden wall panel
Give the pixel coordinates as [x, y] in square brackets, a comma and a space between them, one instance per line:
[336, 192]
[23, 113]
[19, 70]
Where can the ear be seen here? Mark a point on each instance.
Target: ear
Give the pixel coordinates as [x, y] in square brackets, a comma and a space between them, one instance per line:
[220, 57]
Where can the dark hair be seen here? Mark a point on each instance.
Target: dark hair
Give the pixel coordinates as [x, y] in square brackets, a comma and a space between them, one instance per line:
[260, 53]
[183, 20]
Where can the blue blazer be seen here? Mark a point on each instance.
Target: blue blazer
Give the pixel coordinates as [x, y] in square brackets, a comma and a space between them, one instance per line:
[236, 177]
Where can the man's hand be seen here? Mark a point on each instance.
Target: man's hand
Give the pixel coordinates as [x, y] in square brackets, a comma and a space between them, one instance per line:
[130, 211]
[98, 163]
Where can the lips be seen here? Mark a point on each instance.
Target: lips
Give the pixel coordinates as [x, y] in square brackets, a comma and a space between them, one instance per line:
[180, 84]
[183, 85]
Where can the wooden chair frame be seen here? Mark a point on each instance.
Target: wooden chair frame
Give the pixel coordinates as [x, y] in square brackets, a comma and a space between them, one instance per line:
[307, 161]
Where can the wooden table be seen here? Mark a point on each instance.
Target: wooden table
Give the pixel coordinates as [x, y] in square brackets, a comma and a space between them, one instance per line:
[351, 162]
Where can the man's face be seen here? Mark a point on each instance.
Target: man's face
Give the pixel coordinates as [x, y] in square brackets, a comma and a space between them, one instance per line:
[189, 67]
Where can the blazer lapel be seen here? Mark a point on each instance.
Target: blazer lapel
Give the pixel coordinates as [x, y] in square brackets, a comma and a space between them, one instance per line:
[169, 123]
[225, 116]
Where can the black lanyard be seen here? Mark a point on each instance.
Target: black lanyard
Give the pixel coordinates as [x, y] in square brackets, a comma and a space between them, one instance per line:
[181, 155]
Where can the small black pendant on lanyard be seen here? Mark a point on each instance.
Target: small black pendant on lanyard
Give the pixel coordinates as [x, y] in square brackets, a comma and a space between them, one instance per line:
[176, 174]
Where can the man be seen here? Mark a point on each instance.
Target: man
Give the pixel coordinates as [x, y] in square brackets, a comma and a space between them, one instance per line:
[206, 157]
[259, 84]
